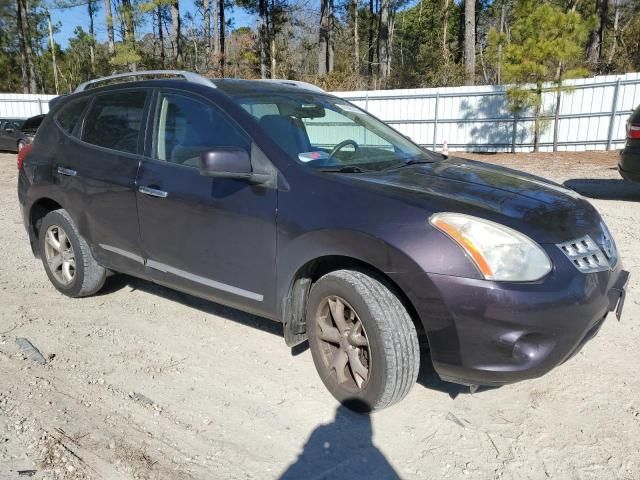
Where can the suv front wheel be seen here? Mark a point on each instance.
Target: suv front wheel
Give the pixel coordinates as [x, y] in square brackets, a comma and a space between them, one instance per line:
[363, 341]
[67, 258]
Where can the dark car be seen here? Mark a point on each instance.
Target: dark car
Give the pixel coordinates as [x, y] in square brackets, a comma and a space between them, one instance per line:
[9, 131]
[15, 134]
[281, 200]
[629, 160]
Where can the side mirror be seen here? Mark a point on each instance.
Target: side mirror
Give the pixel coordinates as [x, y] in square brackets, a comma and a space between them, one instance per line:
[224, 162]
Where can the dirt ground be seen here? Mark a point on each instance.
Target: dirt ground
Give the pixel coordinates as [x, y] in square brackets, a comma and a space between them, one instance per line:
[142, 382]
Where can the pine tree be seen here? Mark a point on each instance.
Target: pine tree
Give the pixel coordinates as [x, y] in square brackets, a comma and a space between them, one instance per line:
[547, 45]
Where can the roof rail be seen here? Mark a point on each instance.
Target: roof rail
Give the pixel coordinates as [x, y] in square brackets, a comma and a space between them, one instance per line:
[295, 83]
[188, 76]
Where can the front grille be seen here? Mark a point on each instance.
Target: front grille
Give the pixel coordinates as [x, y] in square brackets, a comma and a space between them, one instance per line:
[588, 256]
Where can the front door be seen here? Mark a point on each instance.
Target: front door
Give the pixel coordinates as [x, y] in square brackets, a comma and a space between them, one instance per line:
[213, 237]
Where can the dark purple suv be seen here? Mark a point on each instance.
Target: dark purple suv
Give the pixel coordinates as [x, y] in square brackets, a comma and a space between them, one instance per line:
[278, 199]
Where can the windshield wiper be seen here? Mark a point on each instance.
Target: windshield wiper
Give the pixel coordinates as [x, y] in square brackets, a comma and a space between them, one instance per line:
[414, 161]
[344, 169]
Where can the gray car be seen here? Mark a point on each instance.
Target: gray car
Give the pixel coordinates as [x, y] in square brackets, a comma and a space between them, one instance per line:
[15, 134]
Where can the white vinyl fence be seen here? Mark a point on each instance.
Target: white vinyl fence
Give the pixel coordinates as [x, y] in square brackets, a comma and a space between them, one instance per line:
[592, 115]
[18, 105]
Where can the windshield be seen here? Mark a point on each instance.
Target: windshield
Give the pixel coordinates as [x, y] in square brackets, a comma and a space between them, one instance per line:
[328, 133]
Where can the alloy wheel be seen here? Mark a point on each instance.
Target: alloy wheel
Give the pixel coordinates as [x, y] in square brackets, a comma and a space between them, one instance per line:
[59, 255]
[344, 345]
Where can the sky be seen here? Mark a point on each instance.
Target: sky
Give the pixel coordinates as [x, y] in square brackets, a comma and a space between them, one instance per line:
[68, 19]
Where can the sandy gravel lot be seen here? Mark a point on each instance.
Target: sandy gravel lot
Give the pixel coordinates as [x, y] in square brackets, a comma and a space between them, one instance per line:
[142, 382]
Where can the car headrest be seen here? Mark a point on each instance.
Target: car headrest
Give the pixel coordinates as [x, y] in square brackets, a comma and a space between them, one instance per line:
[288, 132]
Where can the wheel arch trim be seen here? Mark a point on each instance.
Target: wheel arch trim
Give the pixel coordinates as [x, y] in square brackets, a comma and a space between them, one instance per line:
[335, 250]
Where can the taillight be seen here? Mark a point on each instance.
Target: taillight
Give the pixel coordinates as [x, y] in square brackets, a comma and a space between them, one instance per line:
[22, 154]
[633, 131]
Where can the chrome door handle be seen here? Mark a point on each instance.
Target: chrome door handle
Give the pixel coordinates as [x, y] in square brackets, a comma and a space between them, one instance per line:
[67, 172]
[152, 192]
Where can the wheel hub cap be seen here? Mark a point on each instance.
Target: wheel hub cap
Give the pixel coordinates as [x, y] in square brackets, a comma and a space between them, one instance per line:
[59, 255]
[343, 342]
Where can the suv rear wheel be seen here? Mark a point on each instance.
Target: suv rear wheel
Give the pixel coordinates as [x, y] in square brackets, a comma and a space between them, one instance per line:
[363, 341]
[67, 258]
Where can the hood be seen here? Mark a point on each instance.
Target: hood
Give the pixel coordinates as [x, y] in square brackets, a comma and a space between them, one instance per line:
[539, 208]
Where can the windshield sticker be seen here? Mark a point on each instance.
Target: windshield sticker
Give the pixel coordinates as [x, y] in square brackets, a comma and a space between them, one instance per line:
[310, 156]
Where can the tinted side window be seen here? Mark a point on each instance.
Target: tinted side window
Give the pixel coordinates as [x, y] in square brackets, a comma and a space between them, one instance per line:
[114, 120]
[187, 127]
[259, 110]
[32, 124]
[69, 115]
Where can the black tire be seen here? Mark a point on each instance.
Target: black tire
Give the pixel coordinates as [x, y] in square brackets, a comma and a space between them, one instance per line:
[393, 352]
[89, 276]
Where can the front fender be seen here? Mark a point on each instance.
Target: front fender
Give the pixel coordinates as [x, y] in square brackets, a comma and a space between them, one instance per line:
[295, 254]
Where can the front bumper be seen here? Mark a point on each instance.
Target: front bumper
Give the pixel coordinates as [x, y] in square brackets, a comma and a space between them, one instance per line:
[492, 333]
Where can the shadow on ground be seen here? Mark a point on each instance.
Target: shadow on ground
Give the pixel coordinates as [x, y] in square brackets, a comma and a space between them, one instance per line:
[605, 188]
[427, 377]
[341, 450]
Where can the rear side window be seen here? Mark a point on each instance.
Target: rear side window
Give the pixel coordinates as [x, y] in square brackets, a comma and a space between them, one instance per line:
[69, 115]
[114, 120]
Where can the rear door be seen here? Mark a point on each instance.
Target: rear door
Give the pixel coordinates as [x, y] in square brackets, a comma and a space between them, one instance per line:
[98, 172]
[213, 237]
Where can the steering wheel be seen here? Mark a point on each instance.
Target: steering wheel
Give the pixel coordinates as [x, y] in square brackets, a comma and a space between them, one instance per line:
[343, 144]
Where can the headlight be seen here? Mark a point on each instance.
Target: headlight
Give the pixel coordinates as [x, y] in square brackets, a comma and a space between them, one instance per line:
[499, 252]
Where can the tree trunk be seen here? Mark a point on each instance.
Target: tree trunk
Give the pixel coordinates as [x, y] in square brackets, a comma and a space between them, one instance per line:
[271, 31]
[109, 21]
[384, 42]
[370, 41]
[92, 50]
[161, 34]
[614, 35]
[23, 50]
[356, 39]
[206, 5]
[604, 17]
[537, 120]
[323, 38]
[445, 28]
[470, 41]
[175, 33]
[594, 46]
[330, 42]
[556, 119]
[215, 37]
[499, 72]
[274, 65]
[221, 35]
[27, 45]
[53, 54]
[262, 37]
[129, 30]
